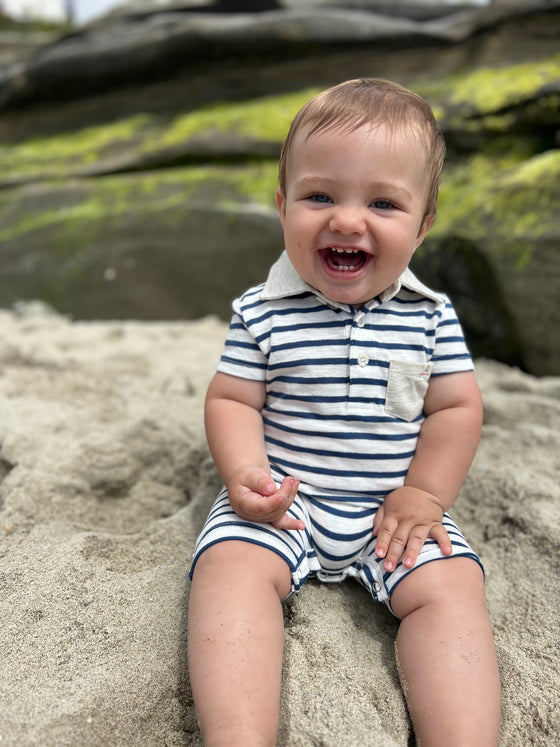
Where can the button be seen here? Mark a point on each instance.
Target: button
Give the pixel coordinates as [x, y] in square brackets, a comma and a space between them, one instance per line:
[363, 360]
[361, 322]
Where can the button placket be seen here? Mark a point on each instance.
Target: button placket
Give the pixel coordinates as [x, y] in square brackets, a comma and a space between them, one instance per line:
[362, 357]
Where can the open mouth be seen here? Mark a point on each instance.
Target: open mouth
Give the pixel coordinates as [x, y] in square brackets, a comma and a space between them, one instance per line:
[338, 259]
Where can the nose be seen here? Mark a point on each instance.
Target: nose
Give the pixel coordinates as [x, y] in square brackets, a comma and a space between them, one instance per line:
[347, 219]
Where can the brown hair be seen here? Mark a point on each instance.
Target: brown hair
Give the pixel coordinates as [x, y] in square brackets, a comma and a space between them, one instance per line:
[373, 101]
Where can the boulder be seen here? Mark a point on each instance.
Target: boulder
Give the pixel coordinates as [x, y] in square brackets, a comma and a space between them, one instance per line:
[157, 245]
[142, 244]
[152, 44]
[121, 202]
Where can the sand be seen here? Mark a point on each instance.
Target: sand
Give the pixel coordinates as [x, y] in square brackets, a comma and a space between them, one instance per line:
[105, 482]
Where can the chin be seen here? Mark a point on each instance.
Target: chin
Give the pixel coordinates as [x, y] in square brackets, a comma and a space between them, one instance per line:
[347, 298]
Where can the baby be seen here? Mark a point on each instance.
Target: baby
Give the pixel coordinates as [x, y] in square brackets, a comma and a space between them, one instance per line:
[343, 419]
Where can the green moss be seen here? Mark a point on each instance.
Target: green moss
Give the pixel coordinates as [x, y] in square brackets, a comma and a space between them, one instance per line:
[540, 172]
[257, 184]
[267, 118]
[114, 200]
[57, 154]
[490, 90]
[489, 197]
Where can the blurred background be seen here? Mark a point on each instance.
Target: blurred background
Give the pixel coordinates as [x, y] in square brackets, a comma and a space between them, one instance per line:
[72, 12]
[139, 142]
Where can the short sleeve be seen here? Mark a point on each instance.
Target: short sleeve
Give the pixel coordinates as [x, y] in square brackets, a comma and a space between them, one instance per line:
[451, 354]
[242, 356]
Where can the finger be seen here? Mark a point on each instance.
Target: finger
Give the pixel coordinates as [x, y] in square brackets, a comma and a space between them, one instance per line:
[272, 508]
[439, 533]
[379, 516]
[396, 549]
[287, 492]
[289, 488]
[385, 532]
[261, 482]
[257, 507]
[288, 522]
[415, 543]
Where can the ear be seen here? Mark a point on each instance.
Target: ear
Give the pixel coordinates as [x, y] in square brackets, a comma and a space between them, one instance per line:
[424, 228]
[281, 205]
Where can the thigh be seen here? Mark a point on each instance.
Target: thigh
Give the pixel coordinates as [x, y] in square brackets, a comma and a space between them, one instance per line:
[224, 526]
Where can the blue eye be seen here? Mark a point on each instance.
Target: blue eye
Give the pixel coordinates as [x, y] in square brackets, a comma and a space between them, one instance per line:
[382, 204]
[320, 198]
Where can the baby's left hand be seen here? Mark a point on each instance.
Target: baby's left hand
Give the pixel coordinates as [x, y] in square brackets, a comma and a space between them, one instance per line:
[402, 524]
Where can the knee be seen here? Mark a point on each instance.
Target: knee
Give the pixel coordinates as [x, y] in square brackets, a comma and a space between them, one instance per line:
[237, 563]
[453, 583]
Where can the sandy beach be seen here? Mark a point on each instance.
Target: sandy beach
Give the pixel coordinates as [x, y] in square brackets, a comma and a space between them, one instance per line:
[106, 480]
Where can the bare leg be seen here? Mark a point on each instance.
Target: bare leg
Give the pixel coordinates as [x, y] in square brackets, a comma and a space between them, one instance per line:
[236, 638]
[446, 655]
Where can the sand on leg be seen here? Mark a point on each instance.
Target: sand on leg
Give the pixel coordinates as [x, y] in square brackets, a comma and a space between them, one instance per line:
[235, 642]
[446, 655]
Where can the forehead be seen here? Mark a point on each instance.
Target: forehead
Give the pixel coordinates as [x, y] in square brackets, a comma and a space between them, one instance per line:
[372, 143]
[372, 159]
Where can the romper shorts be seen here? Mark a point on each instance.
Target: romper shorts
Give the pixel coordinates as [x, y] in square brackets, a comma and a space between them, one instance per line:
[337, 543]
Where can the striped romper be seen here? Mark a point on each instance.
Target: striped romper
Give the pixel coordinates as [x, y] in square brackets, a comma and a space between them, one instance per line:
[344, 395]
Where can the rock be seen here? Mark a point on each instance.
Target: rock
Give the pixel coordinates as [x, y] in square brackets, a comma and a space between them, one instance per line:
[120, 204]
[159, 245]
[156, 43]
[494, 247]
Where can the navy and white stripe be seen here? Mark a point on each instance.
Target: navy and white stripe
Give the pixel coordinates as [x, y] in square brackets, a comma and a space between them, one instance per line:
[326, 367]
[344, 396]
[337, 543]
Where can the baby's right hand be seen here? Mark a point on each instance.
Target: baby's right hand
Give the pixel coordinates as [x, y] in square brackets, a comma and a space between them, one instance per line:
[254, 496]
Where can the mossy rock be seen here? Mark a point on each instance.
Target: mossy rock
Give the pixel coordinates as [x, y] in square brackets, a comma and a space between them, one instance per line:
[475, 105]
[149, 246]
[199, 195]
[495, 248]
[223, 131]
[470, 106]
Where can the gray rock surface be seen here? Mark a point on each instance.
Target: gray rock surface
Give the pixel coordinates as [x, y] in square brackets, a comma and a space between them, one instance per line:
[122, 201]
[128, 43]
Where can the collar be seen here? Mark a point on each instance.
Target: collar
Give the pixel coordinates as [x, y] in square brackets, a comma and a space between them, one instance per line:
[283, 281]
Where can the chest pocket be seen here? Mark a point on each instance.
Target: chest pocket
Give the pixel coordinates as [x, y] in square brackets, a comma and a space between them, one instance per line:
[406, 388]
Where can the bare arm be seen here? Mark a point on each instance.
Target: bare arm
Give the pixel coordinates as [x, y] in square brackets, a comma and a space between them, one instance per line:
[449, 437]
[234, 429]
[446, 447]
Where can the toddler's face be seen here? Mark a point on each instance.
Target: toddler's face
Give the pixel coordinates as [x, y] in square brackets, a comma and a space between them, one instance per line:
[353, 210]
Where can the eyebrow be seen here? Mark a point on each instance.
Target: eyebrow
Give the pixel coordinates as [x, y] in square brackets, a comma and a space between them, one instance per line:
[388, 188]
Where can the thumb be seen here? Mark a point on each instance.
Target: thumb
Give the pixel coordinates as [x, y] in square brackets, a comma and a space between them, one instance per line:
[260, 481]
